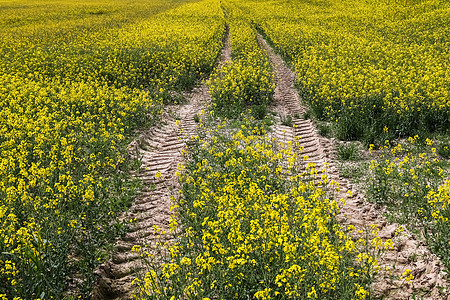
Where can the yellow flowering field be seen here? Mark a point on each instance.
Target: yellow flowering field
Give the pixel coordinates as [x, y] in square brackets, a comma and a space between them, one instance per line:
[79, 79]
[247, 228]
[365, 64]
[412, 180]
[62, 174]
[170, 51]
[76, 80]
[247, 81]
[124, 48]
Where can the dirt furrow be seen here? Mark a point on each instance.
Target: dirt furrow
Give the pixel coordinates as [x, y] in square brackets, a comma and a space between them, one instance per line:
[226, 51]
[160, 150]
[408, 254]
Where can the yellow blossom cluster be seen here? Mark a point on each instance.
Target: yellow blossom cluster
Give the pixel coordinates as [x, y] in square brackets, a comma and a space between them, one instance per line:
[365, 64]
[76, 80]
[169, 51]
[414, 184]
[62, 165]
[113, 43]
[251, 229]
[247, 81]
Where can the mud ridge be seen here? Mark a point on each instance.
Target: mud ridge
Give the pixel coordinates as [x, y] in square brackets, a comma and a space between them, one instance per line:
[409, 253]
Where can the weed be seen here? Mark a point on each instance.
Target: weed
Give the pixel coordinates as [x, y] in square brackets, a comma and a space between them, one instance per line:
[413, 257]
[286, 120]
[308, 114]
[324, 130]
[444, 149]
[348, 151]
[196, 118]
[354, 171]
[259, 111]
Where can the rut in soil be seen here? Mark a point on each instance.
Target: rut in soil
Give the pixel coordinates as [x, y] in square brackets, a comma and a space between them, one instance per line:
[408, 253]
[160, 150]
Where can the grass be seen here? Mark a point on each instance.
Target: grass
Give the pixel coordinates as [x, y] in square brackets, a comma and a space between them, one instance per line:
[324, 129]
[286, 120]
[356, 171]
[348, 152]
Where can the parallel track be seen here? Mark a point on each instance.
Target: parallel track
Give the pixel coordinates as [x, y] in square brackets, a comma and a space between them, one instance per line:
[160, 149]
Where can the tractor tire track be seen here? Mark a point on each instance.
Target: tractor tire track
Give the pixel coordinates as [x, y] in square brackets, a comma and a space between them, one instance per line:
[160, 150]
[160, 153]
[429, 279]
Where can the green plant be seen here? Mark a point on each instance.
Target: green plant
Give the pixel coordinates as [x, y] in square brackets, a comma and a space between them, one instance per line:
[444, 149]
[71, 99]
[412, 185]
[324, 130]
[249, 229]
[348, 151]
[196, 118]
[307, 114]
[376, 87]
[259, 112]
[286, 120]
[355, 171]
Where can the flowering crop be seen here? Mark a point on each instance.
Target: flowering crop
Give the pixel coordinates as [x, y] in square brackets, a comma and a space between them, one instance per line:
[72, 94]
[365, 64]
[249, 229]
[248, 80]
[415, 185]
[166, 51]
[169, 51]
[62, 170]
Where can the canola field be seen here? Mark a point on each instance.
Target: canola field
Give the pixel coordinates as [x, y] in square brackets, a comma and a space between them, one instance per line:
[252, 226]
[79, 79]
[413, 181]
[367, 64]
[248, 79]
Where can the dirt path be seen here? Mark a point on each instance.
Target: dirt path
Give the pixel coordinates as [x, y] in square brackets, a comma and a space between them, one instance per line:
[160, 149]
[408, 253]
[161, 152]
[226, 51]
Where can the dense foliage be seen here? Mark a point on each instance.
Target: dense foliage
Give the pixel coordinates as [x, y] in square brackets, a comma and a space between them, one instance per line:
[76, 80]
[246, 81]
[365, 64]
[249, 228]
